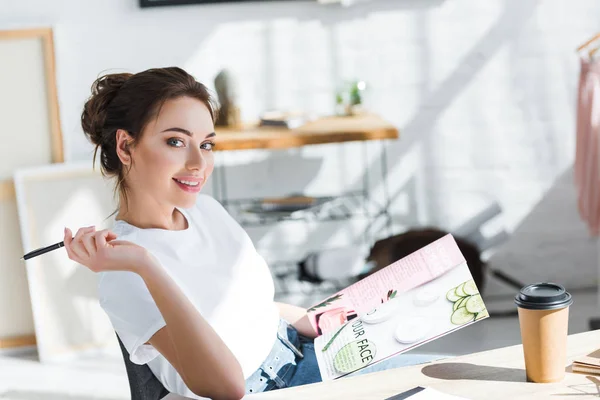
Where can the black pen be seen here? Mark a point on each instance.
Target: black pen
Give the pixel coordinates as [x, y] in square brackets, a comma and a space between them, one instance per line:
[42, 250]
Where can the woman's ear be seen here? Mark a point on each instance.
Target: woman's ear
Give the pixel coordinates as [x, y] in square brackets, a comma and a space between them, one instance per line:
[123, 147]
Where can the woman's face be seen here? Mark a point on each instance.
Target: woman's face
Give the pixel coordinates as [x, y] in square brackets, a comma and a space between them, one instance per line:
[174, 157]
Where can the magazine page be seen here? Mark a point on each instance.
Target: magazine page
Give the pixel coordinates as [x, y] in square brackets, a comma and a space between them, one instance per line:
[444, 299]
[411, 271]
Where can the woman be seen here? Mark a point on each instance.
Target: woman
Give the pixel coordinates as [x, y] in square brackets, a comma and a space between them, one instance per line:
[181, 281]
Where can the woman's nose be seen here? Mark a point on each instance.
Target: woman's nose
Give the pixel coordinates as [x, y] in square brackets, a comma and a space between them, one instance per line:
[196, 160]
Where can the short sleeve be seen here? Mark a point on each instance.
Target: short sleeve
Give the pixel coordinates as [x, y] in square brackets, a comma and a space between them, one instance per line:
[132, 312]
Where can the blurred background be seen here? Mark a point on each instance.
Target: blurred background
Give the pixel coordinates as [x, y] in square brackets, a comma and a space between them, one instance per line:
[478, 102]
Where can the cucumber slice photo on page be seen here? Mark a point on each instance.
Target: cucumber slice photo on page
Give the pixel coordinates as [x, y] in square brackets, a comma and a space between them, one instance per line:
[460, 303]
[470, 288]
[451, 295]
[475, 304]
[461, 316]
[460, 291]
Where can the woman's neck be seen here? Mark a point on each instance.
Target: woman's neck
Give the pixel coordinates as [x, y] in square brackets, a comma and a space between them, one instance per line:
[150, 214]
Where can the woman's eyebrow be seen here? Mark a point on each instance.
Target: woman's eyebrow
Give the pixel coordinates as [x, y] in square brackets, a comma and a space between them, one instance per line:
[186, 132]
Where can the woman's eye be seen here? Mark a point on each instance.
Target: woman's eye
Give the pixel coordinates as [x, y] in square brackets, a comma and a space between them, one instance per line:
[208, 146]
[175, 142]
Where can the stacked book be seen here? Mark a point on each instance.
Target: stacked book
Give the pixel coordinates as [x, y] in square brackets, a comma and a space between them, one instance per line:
[589, 364]
[289, 120]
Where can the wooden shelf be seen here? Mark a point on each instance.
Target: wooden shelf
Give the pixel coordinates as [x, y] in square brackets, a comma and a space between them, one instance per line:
[320, 131]
[17, 341]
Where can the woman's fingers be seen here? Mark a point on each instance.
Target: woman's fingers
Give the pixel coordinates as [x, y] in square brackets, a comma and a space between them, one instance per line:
[89, 243]
[110, 236]
[102, 237]
[71, 246]
[82, 231]
[68, 236]
[77, 246]
[67, 240]
[93, 249]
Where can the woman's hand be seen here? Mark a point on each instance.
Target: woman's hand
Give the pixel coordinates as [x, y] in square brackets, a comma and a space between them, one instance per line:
[99, 251]
[298, 317]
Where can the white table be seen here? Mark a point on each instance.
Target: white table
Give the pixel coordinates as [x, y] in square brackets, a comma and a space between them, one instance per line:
[495, 374]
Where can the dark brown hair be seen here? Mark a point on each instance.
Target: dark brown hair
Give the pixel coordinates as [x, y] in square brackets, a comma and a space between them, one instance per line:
[129, 101]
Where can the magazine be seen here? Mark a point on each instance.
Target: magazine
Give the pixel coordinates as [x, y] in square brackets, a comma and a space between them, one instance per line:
[417, 299]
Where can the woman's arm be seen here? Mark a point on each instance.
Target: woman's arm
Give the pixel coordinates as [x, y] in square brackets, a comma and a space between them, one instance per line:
[189, 343]
[298, 318]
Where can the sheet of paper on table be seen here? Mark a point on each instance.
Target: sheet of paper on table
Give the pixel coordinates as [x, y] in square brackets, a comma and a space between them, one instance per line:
[421, 393]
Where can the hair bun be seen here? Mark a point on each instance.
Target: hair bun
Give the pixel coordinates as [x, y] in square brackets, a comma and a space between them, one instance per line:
[104, 90]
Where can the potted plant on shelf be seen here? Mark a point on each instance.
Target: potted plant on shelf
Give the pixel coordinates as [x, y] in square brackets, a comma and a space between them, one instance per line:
[349, 101]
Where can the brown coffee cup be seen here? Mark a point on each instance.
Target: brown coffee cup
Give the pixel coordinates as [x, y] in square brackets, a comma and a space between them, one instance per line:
[544, 320]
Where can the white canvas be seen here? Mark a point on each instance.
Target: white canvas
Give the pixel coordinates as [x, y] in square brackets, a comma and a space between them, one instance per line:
[67, 316]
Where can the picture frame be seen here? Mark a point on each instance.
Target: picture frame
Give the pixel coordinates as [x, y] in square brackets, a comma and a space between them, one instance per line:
[29, 107]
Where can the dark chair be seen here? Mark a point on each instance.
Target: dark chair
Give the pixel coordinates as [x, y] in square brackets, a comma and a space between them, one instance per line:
[142, 382]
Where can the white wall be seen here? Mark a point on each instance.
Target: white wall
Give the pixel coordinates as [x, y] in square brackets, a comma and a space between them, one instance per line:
[482, 91]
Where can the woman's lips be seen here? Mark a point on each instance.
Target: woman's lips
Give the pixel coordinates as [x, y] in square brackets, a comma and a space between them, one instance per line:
[189, 185]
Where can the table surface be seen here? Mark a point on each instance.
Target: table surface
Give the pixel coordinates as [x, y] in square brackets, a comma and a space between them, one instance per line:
[494, 374]
[319, 131]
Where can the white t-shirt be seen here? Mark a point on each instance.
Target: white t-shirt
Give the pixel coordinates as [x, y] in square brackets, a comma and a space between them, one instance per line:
[215, 264]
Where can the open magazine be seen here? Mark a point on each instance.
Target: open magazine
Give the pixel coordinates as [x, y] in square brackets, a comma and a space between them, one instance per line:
[415, 300]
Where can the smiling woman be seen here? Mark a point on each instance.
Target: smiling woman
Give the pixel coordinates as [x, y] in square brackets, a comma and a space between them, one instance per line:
[181, 281]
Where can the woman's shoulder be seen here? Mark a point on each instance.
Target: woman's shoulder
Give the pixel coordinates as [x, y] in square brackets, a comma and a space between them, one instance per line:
[123, 230]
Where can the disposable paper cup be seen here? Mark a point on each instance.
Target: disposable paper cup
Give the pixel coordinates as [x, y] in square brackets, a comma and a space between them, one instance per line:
[544, 320]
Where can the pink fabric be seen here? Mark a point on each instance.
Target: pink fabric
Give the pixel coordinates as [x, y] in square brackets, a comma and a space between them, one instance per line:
[587, 152]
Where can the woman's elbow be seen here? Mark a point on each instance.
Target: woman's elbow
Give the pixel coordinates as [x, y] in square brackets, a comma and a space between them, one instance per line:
[237, 392]
[224, 391]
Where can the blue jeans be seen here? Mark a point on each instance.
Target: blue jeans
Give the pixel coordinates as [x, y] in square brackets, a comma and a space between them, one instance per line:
[292, 362]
